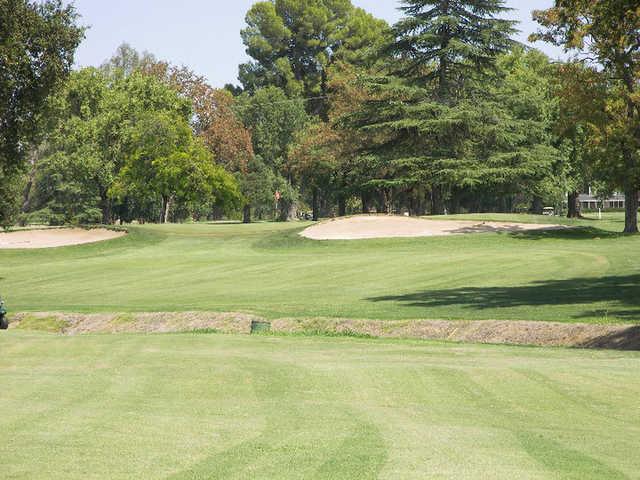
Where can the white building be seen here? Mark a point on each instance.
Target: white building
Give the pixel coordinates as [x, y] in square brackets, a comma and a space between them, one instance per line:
[588, 201]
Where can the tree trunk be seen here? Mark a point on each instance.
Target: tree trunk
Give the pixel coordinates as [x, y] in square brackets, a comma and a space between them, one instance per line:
[630, 161]
[574, 205]
[292, 212]
[34, 159]
[421, 203]
[324, 103]
[387, 200]
[316, 204]
[437, 202]
[246, 214]
[105, 206]
[364, 198]
[455, 202]
[106, 214]
[631, 210]
[167, 209]
[26, 194]
[342, 207]
[537, 207]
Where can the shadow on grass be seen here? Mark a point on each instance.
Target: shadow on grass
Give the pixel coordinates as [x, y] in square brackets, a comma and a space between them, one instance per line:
[620, 291]
[223, 222]
[573, 233]
[628, 339]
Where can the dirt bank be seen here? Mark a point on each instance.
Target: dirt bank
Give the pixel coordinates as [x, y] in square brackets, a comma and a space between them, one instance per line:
[77, 323]
[546, 334]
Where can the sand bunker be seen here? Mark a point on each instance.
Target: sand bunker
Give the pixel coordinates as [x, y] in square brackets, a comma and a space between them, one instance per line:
[58, 237]
[378, 226]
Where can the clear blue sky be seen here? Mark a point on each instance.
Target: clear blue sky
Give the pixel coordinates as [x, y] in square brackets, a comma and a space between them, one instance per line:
[205, 34]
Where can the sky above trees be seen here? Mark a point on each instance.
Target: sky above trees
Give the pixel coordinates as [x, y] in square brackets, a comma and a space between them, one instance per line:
[205, 34]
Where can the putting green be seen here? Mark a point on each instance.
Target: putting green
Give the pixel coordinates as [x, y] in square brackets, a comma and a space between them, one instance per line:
[237, 407]
[590, 274]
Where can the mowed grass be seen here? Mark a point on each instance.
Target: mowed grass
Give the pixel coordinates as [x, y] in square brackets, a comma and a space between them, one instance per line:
[237, 407]
[588, 274]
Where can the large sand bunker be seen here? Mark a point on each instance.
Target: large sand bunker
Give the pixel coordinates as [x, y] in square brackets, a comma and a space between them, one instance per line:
[383, 226]
[55, 237]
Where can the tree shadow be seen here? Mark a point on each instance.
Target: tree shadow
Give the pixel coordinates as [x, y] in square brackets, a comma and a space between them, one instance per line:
[487, 228]
[627, 339]
[566, 233]
[622, 292]
[224, 222]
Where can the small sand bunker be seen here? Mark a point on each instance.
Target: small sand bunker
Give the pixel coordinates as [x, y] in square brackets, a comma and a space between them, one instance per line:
[378, 226]
[55, 237]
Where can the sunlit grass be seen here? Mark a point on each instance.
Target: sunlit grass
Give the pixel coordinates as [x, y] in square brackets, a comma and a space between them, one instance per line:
[590, 273]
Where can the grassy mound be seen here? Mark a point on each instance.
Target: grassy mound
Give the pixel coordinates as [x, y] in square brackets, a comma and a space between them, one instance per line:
[587, 274]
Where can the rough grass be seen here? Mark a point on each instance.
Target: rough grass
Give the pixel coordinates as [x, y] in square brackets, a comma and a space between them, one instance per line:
[589, 274]
[177, 406]
[48, 323]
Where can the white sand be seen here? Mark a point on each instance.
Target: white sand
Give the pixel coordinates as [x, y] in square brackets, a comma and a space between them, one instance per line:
[58, 237]
[383, 226]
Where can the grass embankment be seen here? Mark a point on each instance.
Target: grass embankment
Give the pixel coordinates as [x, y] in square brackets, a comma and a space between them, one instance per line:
[224, 407]
[591, 274]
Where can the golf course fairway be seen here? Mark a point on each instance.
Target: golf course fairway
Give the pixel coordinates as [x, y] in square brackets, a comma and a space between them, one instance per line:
[187, 406]
[587, 274]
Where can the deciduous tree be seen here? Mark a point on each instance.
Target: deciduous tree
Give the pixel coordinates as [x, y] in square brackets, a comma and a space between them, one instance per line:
[167, 164]
[607, 32]
[37, 45]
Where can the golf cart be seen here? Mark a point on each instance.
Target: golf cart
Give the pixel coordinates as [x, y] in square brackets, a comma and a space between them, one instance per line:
[549, 211]
[4, 323]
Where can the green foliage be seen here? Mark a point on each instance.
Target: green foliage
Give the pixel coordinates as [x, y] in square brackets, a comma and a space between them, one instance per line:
[126, 61]
[123, 146]
[444, 111]
[273, 120]
[37, 44]
[449, 43]
[607, 31]
[258, 185]
[79, 158]
[289, 200]
[166, 163]
[293, 42]
[456, 115]
[11, 186]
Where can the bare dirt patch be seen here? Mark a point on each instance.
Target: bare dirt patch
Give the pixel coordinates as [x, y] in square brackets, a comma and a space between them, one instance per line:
[543, 334]
[58, 237]
[78, 323]
[387, 226]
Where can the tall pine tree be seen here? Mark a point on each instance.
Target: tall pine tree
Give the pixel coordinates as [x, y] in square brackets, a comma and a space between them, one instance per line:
[433, 120]
[449, 41]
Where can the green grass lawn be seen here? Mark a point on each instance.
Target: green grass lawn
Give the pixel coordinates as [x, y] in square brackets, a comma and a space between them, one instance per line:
[239, 407]
[588, 274]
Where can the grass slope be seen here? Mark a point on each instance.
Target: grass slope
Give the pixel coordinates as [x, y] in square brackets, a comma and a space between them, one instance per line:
[235, 407]
[590, 274]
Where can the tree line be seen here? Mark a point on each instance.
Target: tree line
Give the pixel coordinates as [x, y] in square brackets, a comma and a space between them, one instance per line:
[337, 111]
